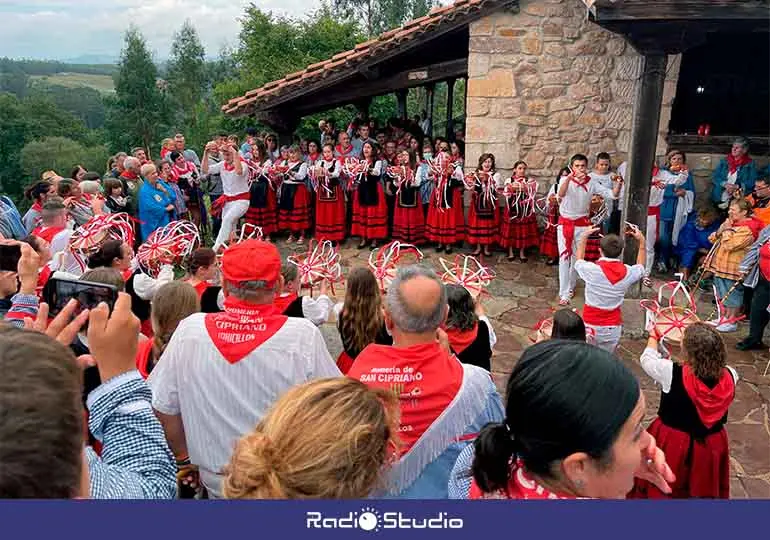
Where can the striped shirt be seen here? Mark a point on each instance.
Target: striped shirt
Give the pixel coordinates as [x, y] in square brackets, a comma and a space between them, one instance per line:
[220, 402]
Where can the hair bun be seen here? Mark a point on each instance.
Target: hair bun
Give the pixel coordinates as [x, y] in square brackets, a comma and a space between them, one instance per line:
[257, 455]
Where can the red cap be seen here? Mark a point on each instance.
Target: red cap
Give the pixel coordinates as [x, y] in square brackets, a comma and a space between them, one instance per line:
[251, 260]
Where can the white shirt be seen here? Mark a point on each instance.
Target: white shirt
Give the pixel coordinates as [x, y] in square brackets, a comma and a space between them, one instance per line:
[232, 183]
[600, 292]
[316, 310]
[62, 259]
[221, 402]
[145, 286]
[576, 203]
[492, 335]
[662, 369]
[667, 178]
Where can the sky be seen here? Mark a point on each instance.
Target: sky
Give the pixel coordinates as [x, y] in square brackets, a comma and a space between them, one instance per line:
[73, 29]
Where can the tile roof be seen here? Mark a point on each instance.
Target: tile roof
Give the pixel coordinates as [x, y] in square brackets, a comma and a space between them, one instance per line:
[363, 52]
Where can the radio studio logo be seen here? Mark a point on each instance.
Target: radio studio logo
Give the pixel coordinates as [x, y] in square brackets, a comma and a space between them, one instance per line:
[369, 519]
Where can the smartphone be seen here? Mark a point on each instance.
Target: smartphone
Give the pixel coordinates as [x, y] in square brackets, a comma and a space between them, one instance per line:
[9, 257]
[58, 292]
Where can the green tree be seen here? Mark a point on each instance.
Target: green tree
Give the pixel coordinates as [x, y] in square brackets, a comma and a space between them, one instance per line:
[187, 71]
[138, 112]
[60, 154]
[382, 15]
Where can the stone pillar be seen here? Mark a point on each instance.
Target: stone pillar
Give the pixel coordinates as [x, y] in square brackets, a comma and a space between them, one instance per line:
[644, 136]
[401, 96]
[450, 101]
[430, 93]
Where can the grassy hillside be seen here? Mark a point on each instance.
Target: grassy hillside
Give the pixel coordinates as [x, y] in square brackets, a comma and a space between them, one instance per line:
[102, 83]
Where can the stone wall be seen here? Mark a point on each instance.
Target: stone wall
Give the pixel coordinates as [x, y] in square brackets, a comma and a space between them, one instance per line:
[546, 83]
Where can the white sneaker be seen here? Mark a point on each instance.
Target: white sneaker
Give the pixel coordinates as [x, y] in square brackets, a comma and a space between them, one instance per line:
[727, 328]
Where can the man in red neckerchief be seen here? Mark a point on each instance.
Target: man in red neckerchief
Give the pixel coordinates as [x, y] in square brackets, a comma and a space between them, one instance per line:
[574, 196]
[222, 371]
[607, 281]
[444, 403]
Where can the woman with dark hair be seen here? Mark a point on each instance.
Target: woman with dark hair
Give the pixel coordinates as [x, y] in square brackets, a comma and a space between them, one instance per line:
[78, 173]
[112, 254]
[457, 151]
[470, 332]
[568, 325]
[560, 439]
[329, 198]
[37, 193]
[519, 227]
[483, 216]
[370, 211]
[690, 426]
[294, 199]
[408, 217]
[263, 204]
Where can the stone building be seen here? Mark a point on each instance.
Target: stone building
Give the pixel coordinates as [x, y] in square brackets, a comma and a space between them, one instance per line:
[550, 78]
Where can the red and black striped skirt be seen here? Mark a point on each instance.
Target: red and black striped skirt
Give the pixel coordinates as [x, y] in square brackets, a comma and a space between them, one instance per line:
[446, 226]
[267, 217]
[330, 217]
[483, 230]
[370, 222]
[519, 233]
[409, 224]
[296, 220]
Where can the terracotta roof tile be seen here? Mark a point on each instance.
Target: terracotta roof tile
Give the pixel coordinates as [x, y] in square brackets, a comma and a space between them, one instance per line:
[361, 52]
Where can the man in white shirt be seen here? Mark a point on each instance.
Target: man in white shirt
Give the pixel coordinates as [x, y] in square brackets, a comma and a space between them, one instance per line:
[574, 195]
[234, 202]
[222, 371]
[607, 281]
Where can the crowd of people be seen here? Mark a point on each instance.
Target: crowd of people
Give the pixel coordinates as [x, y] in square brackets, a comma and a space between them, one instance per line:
[158, 395]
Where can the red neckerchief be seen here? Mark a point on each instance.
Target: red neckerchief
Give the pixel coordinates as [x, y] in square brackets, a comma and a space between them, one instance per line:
[47, 233]
[282, 303]
[230, 168]
[520, 486]
[129, 175]
[711, 403]
[37, 207]
[313, 157]
[178, 171]
[754, 225]
[201, 287]
[242, 327]
[613, 269]
[143, 353]
[425, 377]
[460, 340]
[42, 279]
[733, 163]
[580, 183]
[344, 153]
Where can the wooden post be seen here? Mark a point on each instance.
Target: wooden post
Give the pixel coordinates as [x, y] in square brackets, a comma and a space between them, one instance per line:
[644, 138]
[430, 92]
[450, 102]
[402, 95]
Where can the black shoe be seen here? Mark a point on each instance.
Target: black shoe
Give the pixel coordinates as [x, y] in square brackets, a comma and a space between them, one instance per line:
[750, 345]
[439, 249]
[449, 250]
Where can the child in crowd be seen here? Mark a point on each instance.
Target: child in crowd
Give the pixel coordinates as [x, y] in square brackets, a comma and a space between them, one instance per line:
[696, 395]
[292, 304]
[484, 215]
[519, 228]
[607, 281]
[113, 196]
[470, 332]
[694, 243]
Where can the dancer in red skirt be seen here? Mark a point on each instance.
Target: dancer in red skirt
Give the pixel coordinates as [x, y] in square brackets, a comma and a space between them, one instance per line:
[370, 211]
[330, 200]
[519, 230]
[692, 414]
[446, 215]
[549, 246]
[294, 200]
[408, 220]
[262, 201]
[484, 217]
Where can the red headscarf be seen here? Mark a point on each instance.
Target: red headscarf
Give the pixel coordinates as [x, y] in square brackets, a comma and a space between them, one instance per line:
[733, 163]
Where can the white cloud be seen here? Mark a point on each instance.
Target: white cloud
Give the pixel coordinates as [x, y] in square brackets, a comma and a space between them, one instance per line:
[62, 29]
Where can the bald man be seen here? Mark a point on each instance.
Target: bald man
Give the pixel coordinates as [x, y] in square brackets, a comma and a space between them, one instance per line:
[444, 404]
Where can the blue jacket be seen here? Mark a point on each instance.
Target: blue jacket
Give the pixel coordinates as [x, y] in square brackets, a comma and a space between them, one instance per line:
[747, 175]
[692, 238]
[152, 207]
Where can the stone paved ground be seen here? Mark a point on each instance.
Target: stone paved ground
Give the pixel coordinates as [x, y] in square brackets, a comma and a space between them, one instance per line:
[523, 294]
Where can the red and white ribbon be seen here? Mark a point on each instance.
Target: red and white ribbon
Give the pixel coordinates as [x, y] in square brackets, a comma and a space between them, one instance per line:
[467, 272]
[89, 237]
[663, 320]
[320, 262]
[383, 261]
[168, 245]
[521, 195]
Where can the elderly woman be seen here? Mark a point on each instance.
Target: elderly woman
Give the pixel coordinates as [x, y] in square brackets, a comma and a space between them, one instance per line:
[733, 239]
[736, 171]
[156, 201]
[678, 201]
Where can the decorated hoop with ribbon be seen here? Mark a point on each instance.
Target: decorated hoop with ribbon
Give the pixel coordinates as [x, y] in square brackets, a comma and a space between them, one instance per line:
[169, 245]
[467, 272]
[320, 262]
[89, 237]
[354, 169]
[544, 329]
[667, 321]
[383, 261]
[521, 197]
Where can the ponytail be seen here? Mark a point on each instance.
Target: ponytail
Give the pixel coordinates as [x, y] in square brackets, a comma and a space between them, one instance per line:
[494, 449]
